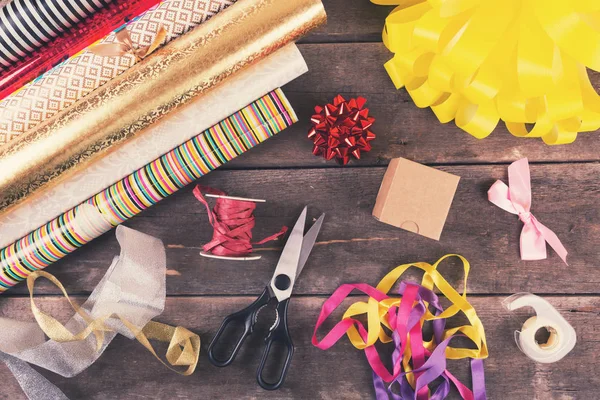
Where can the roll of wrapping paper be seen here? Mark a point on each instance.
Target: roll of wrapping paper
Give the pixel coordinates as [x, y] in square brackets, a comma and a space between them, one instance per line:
[60, 49]
[75, 78]
[169, 78]
[231, 137]
[27, 25]
[272, 72]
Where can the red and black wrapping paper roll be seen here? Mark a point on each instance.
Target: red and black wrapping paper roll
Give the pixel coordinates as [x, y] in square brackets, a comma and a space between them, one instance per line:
[36, 35]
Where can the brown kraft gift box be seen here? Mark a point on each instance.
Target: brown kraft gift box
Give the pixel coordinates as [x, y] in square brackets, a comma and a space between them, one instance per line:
[415, 197]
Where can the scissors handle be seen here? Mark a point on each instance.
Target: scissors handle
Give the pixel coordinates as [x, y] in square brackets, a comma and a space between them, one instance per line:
[247, 316]
[278, 334]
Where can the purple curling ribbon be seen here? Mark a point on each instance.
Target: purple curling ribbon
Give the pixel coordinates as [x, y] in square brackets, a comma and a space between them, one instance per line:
[435, 365]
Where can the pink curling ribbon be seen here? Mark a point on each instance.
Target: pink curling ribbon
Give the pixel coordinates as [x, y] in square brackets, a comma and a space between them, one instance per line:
[516, 199]
[404, 319]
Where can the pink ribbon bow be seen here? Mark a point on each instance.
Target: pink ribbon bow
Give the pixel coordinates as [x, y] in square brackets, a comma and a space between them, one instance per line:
[516, 199]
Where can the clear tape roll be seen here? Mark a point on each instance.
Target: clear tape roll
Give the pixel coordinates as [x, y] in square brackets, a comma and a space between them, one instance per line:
[562, 337]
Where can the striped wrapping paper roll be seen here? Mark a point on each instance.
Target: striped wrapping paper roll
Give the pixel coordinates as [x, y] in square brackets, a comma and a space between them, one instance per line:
[26, 25]
[85, 34]
[74, 79]
[231, 137]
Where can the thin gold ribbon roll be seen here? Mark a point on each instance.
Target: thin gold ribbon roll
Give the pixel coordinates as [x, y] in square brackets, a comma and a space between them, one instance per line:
[165, 80]
[481, 61]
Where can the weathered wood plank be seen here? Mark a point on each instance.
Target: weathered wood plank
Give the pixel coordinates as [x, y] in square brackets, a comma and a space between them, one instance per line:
[350, 21]
[402, 129]
[354, 247]
[126, 370]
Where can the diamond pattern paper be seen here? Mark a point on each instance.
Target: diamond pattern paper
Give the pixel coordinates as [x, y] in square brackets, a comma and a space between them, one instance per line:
[62, 86]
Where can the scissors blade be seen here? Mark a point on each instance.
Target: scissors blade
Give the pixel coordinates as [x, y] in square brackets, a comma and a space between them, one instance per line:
[309, 241]
[285, 272]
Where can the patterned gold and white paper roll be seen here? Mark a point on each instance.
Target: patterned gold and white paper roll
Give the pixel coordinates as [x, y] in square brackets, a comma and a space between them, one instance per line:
[172, 76]
[147, 186]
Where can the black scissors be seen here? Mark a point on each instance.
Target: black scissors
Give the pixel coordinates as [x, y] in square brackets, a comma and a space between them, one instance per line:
[292, 260]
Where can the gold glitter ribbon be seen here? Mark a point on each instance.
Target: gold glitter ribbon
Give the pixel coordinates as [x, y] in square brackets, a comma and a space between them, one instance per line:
[184, 345]
[480, 61]
[124, 45]
[129, 296]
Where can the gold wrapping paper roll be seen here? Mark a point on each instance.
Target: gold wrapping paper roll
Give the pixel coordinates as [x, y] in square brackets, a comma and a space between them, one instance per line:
[169, 78]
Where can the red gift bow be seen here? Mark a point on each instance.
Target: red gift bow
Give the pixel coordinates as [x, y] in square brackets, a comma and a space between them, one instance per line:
[341, 129]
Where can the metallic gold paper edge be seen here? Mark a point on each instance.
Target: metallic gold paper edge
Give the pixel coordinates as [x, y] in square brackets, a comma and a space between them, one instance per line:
[183, 70]
[270, 73]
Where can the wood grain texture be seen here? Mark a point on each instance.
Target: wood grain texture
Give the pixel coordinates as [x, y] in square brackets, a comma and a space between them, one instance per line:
[350, 21]
[402, 129]
[565, 198]
[346, 56]
[126, 370]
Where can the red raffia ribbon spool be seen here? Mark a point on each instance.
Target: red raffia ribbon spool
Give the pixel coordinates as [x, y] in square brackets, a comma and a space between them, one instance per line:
[232, 219]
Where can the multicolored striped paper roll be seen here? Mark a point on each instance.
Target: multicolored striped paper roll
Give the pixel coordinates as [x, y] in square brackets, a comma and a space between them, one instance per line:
[231, 137]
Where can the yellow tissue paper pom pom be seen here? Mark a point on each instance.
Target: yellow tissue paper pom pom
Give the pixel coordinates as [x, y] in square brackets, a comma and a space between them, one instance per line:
[480, 61]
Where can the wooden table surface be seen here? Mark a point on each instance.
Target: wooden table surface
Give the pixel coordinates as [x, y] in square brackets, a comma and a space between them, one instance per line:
[346, 57]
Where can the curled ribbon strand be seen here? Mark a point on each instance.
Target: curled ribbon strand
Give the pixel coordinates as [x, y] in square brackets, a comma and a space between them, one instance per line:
[184, 345]
[126, 300]
[480, 61]
[124, 45]
[516, 199]
[416, 363]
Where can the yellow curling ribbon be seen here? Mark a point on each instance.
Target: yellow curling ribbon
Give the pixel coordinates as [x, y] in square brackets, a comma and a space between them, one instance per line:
[432, 279]
[481, 61]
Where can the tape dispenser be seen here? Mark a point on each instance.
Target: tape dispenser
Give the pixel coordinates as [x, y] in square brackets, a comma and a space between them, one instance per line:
[562, 337]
